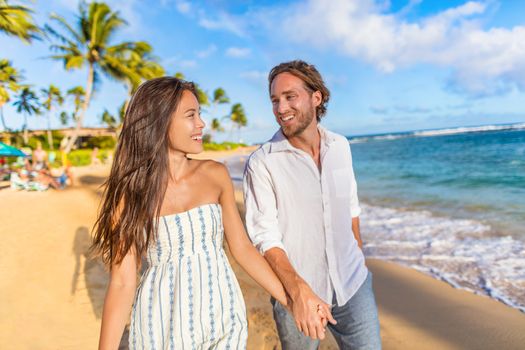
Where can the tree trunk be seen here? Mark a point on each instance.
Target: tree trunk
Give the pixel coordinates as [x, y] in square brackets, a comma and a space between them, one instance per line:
[25, 135]
[2, 117]
[85, 105]
[49, 134]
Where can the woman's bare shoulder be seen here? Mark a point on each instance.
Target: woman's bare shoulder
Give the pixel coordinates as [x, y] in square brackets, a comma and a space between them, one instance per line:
[213, 169]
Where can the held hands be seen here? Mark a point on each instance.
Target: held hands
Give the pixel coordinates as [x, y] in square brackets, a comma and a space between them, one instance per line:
[311, 313]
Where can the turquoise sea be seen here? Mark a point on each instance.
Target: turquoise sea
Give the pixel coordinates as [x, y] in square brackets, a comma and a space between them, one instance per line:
[448, 202]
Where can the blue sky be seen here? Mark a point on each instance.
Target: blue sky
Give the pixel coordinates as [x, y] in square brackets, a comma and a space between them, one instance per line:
[390, 65]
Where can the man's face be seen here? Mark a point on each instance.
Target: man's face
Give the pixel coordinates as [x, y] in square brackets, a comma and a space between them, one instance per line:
[293, 105]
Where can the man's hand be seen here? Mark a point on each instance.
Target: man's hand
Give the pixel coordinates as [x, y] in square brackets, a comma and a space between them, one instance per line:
[310, 312]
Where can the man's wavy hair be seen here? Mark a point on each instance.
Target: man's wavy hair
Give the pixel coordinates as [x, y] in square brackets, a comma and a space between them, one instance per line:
[309, 75]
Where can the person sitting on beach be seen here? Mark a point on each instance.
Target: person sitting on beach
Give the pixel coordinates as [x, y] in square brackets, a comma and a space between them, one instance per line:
[27, 170]
[301, 210]
[18, 180]
[173, 211]
[45, 178]
[39, 157]
[65, 176]
[94, 157]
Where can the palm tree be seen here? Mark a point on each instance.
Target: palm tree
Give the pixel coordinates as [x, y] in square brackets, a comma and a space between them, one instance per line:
[16, 20]
[220, 96]
[28, 104]
[215, 127]
[76, 93]
[9, 82]
[202, 96]
[140, 65]
[51, 96]
[238, 117]
[88, 43]
[108, 119]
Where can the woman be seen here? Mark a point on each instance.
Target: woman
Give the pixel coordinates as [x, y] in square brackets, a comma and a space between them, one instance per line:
[39, 157]
[171, 210]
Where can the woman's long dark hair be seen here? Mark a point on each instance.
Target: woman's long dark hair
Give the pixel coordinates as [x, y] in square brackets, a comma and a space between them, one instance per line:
[128, 216]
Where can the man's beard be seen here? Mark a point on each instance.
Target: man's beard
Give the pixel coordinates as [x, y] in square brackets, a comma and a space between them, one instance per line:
[301, 126]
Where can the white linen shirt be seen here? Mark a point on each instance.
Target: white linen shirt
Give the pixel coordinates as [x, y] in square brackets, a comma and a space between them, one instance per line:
[292, 205]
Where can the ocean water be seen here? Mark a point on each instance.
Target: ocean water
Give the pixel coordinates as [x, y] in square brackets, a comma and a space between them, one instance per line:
[450, 203]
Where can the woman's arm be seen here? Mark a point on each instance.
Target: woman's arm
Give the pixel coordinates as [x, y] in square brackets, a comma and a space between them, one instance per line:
[118, 302]
[240, 245]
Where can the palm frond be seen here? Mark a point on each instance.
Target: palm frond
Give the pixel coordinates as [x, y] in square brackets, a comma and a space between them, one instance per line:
[16, 20]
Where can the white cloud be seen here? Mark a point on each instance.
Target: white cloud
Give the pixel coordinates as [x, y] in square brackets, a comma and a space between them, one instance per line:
[177, 62]
[255, 76]
[223, 21]
[482, 61]
[68, 4]
[207, 52]
[408, 7]
[188, 63]
[238, 52]
[183, 6]
[379, 109]
[127, 10]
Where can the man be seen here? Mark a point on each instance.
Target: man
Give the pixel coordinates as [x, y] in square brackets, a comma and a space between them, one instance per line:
[301, 209]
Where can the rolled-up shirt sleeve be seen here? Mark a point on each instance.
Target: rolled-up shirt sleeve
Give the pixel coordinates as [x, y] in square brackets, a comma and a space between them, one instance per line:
[261, 208]
[355, 209]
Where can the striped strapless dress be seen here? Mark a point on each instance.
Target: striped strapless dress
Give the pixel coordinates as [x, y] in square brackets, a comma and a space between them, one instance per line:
[188, 297]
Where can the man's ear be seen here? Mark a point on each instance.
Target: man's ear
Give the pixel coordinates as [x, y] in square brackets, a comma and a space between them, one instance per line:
[317, 98]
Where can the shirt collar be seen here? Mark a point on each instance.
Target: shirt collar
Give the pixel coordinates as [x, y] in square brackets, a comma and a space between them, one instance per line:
[279, 142]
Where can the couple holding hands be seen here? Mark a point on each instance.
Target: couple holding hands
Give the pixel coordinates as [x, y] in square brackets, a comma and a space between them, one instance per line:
[302, 242]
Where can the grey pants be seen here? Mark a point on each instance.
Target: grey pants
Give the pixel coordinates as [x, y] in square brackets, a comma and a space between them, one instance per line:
[357, 323]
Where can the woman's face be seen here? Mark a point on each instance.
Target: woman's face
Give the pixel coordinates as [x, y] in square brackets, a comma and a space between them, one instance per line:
[185, 133]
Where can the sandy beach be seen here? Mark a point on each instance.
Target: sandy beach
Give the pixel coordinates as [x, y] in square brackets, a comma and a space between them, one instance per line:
[51, 292]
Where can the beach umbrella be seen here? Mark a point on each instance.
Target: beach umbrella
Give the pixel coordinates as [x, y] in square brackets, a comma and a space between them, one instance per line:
[10, 151]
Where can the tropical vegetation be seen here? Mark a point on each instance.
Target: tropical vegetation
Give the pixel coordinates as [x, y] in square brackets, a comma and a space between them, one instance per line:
[88, 43]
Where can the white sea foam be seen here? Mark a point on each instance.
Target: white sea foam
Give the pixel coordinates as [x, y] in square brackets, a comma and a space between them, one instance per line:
[464, 253]
[438, 132]
[462, 130]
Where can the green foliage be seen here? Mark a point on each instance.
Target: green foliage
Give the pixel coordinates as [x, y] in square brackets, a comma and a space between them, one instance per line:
[10, 78]
[108, 119]
[139, 65]
[77, 94]
[16, 20]
[82, 157]
[101, 142]
[34, 140]
[224, 146]
[220, 96]
[51, 96]
[202, 96]
[64, 118]
[57, 137]
[27, 102]
[238, 116]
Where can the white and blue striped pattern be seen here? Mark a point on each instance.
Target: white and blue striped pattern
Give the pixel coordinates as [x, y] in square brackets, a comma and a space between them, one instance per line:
[188, 297]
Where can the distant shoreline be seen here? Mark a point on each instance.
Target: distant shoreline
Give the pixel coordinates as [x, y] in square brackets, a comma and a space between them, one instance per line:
[435, 132]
